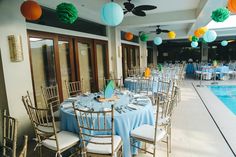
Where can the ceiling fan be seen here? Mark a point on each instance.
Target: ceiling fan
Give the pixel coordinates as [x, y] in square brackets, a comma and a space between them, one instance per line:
[159, 30]
[137, 10]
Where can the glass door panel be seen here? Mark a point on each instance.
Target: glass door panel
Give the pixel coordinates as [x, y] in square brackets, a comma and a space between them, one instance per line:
[85, 66]
[43, 65]
[101, 53]
[65, 65]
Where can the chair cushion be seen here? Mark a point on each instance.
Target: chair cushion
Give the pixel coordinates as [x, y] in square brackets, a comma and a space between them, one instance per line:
[50, 129]
[65, 139]
[103, 148]
[147, 132]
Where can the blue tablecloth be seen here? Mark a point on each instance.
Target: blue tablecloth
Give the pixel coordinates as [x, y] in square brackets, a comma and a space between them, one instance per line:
[124, 122]
[130, 84]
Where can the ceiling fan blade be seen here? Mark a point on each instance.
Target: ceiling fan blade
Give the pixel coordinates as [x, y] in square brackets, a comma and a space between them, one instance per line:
[165, 31]
[138, 12]
[152, 31]
[145, 7]
[126, 11]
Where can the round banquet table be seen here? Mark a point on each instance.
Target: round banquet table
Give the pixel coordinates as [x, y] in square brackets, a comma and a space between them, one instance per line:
[137, 110]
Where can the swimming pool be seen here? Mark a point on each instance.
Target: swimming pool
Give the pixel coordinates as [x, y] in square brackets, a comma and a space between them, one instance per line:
[227, 94]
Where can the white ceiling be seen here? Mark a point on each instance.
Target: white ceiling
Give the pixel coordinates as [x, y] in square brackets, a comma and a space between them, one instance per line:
[181, 16]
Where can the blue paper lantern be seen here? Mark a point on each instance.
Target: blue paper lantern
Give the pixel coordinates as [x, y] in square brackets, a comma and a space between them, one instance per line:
[157, 41]
[224, 43]
[210, 36]
[194, 44]
[112, 14]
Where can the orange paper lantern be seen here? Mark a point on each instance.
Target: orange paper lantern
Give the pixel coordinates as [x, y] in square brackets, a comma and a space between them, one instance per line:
[129, 36]
[31, 10]
[232, 6]
[202, 30]
[147, 72]
[197, 33]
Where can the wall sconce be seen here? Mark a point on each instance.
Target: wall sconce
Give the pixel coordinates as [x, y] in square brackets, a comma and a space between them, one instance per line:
[15, 47]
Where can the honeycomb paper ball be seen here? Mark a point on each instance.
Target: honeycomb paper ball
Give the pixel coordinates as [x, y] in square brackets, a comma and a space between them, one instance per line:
[171, 35]
[67, 13]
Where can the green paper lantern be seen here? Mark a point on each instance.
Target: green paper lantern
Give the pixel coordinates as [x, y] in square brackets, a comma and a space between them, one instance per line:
[195, 39]
[159, 66]
[67, 13]
[220, 14]
[144, 37]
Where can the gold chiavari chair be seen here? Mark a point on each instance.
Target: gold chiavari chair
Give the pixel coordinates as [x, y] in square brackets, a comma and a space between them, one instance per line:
[9, 135]
[46, 132]
[51, 98]
[74, 88]
[117, 81]
[28, 102]
[131, 73]
[97, 132]
[150, 134]
[163, 88]
[23, 152]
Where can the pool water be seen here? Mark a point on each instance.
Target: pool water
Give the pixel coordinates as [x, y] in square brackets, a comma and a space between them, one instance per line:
[227, 94]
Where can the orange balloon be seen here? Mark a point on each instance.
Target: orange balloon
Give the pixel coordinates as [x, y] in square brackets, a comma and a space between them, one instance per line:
[31, 10]
[232, 6]
[197, 33]
[129, 36]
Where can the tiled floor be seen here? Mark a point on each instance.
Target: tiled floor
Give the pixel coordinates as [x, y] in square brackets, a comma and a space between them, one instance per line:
[194, 133]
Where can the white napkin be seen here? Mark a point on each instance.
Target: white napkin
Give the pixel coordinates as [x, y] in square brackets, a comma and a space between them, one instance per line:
[133, 106]
[137, 95]
[84, 108]
[106, 109]
[67, 105]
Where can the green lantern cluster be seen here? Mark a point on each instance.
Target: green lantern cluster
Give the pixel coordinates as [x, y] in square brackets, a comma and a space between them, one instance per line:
[220, 14]
[67, 13]
[195, 39]
[144, 37]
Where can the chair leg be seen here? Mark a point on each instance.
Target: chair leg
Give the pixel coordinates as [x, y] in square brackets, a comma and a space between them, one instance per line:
[145, 147]
[40, 151]
[167, 145]
[154, 151]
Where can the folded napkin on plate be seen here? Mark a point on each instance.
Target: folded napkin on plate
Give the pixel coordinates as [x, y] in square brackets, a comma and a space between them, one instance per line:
[142, 99]
[133, 106]
[136, 95]
[67, 105]
[83, 108]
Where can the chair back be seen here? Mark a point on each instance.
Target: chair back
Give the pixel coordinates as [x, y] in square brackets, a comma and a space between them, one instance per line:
[118, 82]
[143, 85]
[74, 88]
[131, 72]
[163, 87]
[43, 122]
[23, 152]
[51, 96]
[95, 124]
[9, 135]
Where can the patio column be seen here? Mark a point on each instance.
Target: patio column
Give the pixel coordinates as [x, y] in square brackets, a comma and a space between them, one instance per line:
[204, 52]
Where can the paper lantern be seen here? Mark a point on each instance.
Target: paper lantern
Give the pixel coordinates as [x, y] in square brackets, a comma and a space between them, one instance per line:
[232, 6]
[147, 72]
[202, 30]
[171, 35]
[129, 36]
[190, 38]
[144, 37]
[210, 36]
[31, 10]
[112, 14]
[157, 40]
[197, 33]
[195, 39]
[220, 15]
[194, 44]
[224, 43]
[67, 13]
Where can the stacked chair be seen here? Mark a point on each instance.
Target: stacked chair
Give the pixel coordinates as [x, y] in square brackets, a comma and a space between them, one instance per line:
[10, 125]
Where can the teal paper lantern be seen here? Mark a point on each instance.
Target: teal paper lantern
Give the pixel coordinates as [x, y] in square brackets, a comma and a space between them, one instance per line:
[67, 13]
[224, 43]
[144, 37]
[210, 36]
[194, 44]
[157, 40]
[112, 14]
